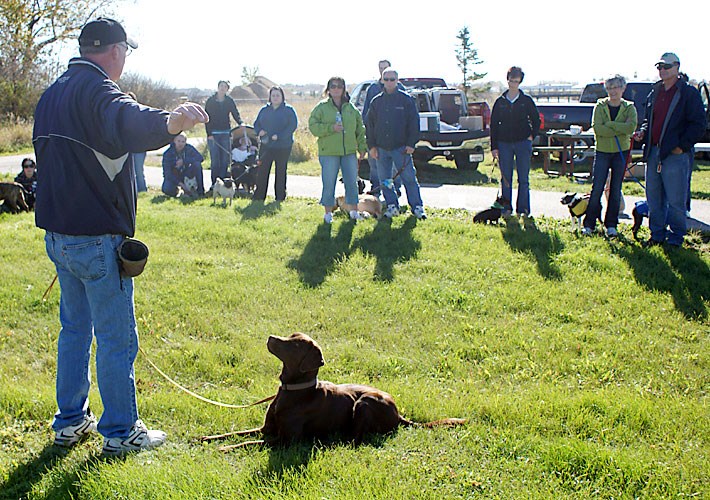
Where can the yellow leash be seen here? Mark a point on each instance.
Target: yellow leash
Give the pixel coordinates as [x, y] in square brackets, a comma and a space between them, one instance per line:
[194, 395]
[184, 389]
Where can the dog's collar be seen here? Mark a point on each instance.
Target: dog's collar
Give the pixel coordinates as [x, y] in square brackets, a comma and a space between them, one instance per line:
[301, 386]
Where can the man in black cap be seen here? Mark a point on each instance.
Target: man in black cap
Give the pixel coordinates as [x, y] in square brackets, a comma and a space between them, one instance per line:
[675, 121]
[84, 133]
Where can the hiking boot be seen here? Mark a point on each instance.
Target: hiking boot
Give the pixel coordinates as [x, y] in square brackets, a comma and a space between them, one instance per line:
[140, 438]
[328, 218]
[392, 211]
[72, 434]
[586, 231]
[611, 232]
[419, 213]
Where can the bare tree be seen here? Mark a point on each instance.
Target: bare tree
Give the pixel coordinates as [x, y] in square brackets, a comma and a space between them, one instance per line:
[29, 31]
[249, 74]
[157, 94]
[466, 57]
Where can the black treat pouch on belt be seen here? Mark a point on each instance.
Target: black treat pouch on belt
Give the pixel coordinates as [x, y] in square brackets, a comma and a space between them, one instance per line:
[132, 257]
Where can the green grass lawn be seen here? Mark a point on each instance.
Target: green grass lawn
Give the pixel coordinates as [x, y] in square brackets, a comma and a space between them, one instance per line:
[581, 364]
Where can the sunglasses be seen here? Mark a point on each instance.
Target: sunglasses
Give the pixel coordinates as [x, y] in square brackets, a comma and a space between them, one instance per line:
[28, 165]
[128, 49]
[664, 66]
[389, 79]
[336, 86]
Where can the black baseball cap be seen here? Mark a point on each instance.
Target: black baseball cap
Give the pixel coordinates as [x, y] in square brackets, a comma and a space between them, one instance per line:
[102, 32]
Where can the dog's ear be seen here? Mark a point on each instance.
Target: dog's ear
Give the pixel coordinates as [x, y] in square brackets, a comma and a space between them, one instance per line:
[313, 360]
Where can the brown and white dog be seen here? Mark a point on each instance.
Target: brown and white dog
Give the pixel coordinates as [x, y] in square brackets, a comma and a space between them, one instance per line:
[13, 195]
[367, 205]
[306, 407]
[224, 188]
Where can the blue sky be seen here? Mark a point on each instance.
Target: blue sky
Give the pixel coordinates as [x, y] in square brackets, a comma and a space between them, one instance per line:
[195, 44]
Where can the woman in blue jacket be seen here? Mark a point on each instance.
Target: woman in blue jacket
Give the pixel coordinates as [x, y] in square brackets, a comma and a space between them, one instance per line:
[275, 125]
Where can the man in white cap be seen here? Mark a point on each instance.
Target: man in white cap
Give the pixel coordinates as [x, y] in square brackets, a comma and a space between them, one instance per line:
[85, 129]
[674, 122]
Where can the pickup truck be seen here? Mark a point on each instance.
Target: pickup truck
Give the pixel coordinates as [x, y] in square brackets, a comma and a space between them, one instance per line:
[449, 125]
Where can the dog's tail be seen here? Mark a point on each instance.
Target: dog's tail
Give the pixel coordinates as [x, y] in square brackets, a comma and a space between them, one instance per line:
[444, 422]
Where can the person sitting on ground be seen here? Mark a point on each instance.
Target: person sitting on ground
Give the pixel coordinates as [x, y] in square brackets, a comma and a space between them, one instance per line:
[182, 169]
[28, 179]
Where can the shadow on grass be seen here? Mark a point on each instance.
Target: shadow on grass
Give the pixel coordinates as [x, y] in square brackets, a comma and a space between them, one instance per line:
[389, 246]
[543, 246]
[293, 458]
[322, 252]
[21, 479]
[162, 198]
[258, 208]
[682, 274]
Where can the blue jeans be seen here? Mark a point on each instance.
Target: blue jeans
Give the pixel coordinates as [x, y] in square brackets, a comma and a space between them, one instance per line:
[516, 154]
[375, 179]
[389, 161]
[220, 154]
[666, 192]
[603, 163]
[329, 167]
[95, 301]
[138, 161]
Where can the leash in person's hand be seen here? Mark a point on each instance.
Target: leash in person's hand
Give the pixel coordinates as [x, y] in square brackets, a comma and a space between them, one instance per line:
[396, 174]
[625, 160]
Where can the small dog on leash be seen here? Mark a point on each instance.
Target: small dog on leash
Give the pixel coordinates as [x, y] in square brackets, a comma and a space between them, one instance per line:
[244, 175]
[639, 211]
[577, 205]
[367, 205]
[491, 215]
[224, 188]
[13, 196]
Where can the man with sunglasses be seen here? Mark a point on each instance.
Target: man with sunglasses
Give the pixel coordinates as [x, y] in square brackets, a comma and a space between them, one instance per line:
[392, 133]
[85, 129]
[675, 121]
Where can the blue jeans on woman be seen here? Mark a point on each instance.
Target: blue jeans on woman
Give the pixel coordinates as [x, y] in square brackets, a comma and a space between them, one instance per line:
[516, 154]
[329, 167]
[389, 161]
[220, 154]
[95, 301]
[666, 193]
[138, 161]
[603, 163]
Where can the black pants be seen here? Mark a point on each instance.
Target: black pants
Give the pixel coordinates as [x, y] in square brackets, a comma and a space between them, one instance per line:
[280, 157]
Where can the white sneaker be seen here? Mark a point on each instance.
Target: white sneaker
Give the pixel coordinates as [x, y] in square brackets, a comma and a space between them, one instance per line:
[392, 211]
[419, 212]
[328, 218]
[140, 438]
[355, 215]
[586, 231]
[72, 434]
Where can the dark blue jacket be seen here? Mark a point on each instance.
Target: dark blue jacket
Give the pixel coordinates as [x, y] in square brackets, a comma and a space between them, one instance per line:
[685, 121]
[392, 121]
[191, 165]
[281, 121]
[372, 91]
[219, 112]
[84, 130]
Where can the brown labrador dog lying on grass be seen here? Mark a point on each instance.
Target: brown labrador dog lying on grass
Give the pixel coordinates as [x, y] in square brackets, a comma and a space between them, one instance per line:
[306, 407]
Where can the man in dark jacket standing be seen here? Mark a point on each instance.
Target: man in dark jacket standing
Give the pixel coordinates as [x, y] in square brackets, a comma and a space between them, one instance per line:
[392, 132]
[675, 121]
[84, 133]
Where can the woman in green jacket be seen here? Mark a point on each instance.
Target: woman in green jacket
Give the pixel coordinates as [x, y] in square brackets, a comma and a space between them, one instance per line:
[614, 121]
[341, 135]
